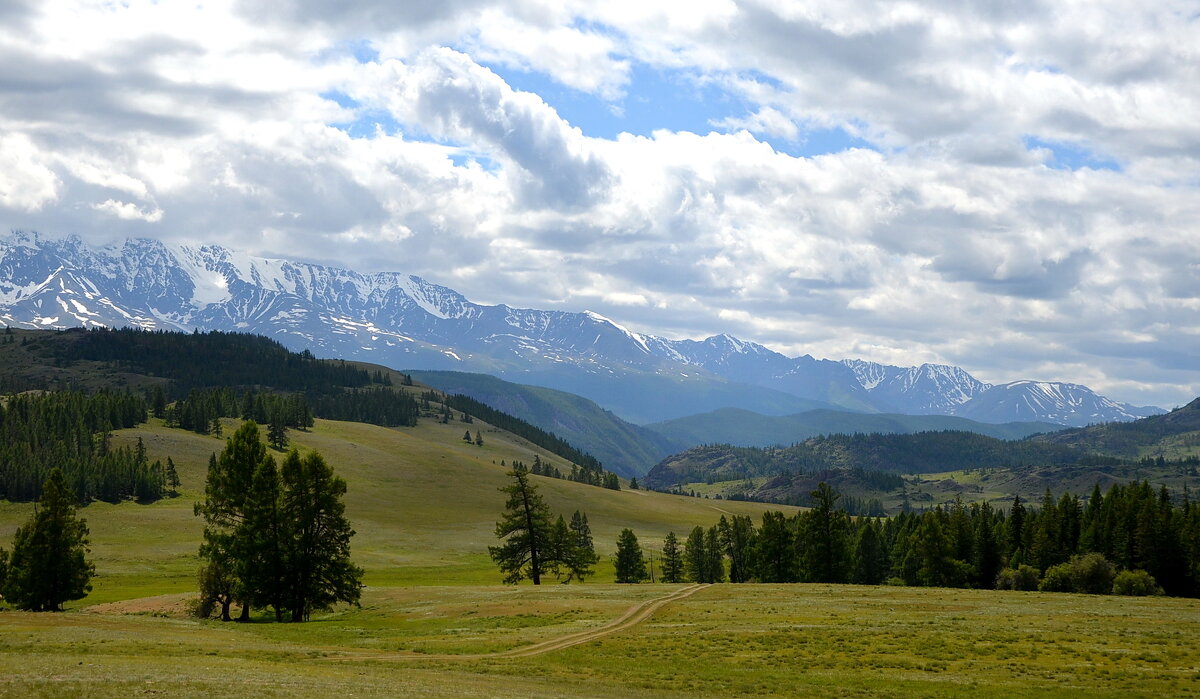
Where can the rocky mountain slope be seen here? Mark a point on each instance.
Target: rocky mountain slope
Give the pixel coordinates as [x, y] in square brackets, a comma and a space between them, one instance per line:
[407, 322]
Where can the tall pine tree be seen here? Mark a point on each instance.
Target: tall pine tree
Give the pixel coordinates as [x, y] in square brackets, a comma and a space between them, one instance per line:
[48, 564]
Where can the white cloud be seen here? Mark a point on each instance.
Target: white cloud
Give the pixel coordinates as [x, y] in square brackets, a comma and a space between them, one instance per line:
[951, 241]
[128, 212]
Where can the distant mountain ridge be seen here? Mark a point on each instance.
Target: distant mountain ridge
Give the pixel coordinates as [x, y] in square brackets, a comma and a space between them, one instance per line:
[406, 322]
[742, 428]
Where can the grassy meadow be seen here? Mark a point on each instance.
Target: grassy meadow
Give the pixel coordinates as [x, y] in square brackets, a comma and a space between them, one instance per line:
[725, 640]
[424, 504]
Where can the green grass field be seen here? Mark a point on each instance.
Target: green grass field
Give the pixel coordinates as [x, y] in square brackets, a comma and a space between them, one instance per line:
[424, 504]
[726, 640]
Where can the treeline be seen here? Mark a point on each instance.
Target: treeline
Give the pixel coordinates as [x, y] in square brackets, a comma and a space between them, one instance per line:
[213, 358]
[604, 479]
[1130, 538]
[377, 406]
[70, 430]
[923, 452]
[202, 407]
[201, 410]
[590, 469]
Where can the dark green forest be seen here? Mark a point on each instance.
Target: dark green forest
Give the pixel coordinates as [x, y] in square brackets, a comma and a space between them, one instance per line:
[70, 430]
[1131, 539]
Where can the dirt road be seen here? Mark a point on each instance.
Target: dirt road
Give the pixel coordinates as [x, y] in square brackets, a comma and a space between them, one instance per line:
[632, 616]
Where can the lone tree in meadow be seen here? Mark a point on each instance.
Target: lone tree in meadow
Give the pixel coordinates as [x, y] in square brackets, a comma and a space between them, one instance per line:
[630, 565]
[49, 564]
[525, 529]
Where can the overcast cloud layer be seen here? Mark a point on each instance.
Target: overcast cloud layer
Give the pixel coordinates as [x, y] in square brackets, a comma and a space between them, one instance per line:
[1011, 187]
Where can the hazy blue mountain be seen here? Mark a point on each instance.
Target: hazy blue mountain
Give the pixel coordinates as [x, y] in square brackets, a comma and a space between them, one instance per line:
[406, 322]
[1066, 403]
[748, 429]
[624, 448]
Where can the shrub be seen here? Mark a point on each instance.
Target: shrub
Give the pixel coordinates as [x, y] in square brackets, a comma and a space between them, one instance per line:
[1135, 583]
[1093, 574]
[1090, 574]
[1024, 577]
[1058, 579]
[895, 582]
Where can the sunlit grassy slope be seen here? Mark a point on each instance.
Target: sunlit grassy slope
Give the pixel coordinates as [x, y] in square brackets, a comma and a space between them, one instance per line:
[423, 502]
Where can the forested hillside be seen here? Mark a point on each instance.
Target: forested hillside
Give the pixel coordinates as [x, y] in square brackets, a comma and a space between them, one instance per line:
[925, 452]
[749, 429]
[1176, 433]
[192, 381]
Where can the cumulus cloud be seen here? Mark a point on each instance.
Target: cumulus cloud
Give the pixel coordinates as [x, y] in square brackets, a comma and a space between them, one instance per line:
[1022, 197]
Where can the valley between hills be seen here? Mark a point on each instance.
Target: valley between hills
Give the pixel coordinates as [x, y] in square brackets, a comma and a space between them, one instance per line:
[434, 620]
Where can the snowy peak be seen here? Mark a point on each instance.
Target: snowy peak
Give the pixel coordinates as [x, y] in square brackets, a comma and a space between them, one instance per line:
[928, 389]
[406, 321]
[1064, 403]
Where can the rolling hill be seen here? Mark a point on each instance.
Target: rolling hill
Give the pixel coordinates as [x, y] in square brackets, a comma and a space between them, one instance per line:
[625, 448]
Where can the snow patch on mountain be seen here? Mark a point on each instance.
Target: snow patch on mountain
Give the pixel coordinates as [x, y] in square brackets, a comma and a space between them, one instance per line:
[406, 321]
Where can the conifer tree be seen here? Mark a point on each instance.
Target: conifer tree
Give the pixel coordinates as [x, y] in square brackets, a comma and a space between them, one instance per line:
[172, 477]
[316, 547]
[824, 530]
[714, 556]
[264, 535]
[776, 549]
[277, 433]
[630, 564]
[695, 562]
[672, 559]
[579, 554]
[48, 564]
[869, 568]
[224, 506]
[524, 529]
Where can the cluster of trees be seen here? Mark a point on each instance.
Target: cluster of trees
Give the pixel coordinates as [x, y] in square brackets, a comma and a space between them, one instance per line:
[1140, 534]
[534, 544]
[274, 537]
[605, 479]
[48, 564]
[71, 430]
[375, 405]
[201, 409]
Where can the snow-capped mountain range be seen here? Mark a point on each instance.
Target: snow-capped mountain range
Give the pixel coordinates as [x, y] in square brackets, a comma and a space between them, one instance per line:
[407, 322]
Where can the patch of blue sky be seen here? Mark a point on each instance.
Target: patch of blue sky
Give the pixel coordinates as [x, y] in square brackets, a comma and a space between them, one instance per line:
[366, 122]
[360, 49]
[675, 100]
[1072, 156]
[465, 158]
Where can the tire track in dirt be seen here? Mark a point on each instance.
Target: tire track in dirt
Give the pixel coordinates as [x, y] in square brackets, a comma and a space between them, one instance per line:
[632, 617]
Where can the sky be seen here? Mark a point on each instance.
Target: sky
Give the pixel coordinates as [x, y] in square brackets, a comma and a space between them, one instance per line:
[1010, 187]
